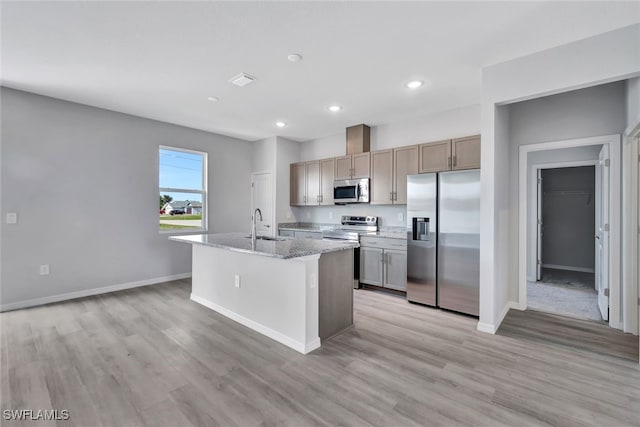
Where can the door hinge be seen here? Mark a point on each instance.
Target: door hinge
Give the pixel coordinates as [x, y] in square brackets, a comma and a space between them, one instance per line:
[606, 292]
[638, 300]
[539, 222]
[607, 162]
[606, 227]
[539, 180]
[252, 185]
[538, 262]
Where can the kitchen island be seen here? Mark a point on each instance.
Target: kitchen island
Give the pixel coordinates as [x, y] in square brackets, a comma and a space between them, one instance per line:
[295, 291]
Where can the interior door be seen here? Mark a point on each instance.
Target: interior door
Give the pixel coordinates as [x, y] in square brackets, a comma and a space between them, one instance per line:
[539, 228]
[602, 232]
[262, 198]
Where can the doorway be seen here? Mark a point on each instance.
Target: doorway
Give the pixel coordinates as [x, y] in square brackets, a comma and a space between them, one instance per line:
[566, 257]
[603, 155]
[262, 198]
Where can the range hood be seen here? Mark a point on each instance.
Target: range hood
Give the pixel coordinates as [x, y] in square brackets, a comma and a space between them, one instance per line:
[358, 139]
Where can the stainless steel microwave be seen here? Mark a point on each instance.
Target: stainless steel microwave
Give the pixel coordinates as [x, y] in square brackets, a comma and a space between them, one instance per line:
[351, 191]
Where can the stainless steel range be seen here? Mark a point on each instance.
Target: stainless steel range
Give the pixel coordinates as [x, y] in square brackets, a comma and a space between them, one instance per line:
[351, 228]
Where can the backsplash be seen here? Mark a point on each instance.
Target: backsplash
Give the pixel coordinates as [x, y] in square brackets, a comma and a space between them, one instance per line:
[389, 215]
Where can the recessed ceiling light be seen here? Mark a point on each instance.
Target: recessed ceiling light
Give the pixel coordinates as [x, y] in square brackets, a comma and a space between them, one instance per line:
[414, 84]
[294, 57]
[335, 108]
[213, 99]
[281, 124]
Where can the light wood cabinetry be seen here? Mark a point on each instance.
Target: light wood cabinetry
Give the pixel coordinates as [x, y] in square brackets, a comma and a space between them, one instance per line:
[434, 156]
[450, 154]
[297, 184]
[353, 166]
[327, 168]
[389, 170]
[311, 183]
[383, 262]
[405, 162]
[466, 152]
[381, 191]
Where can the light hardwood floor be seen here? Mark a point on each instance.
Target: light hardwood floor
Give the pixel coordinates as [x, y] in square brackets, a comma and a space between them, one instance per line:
[150, 356]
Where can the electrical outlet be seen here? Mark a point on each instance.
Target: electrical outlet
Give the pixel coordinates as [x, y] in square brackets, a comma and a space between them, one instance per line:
[44, 270]
[313, 279]
[12, 218]
[330, 214]
[400, 216]
[237, 281]
[308, 215]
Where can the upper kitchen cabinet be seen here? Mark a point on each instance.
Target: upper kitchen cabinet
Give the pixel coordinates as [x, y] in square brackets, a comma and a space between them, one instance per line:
[297, 184]
[434, 156]
[352, 166]
[311, 183]
[405, 162]
[327, 176]
[381, 191]
[466, 152]
[450, 154]
[389, 170]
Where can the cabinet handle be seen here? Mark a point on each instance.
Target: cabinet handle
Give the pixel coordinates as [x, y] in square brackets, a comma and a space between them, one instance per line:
[454, 161]
[395, 195]
[387, 259]
[321, 198]
[391, 195]
[382, 258]
[449, 162]
[304, 199]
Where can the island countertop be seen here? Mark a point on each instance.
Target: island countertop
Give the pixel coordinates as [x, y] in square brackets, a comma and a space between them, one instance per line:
[281, 248]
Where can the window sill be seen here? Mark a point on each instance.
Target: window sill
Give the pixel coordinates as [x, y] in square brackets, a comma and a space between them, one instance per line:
[182, 231]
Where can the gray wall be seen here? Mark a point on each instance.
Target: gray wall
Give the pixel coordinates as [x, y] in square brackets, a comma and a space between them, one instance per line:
[594, 111]
[568, 217]
[84, 182]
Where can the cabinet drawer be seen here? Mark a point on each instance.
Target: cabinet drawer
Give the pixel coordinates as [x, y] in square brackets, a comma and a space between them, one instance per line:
[383, 242]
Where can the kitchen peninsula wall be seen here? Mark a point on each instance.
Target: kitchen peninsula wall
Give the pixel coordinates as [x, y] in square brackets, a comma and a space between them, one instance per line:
[433, 127]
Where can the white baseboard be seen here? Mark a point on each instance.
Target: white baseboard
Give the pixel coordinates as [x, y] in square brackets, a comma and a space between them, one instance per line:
[89, 292]
[493, 328]
[566, 267]
[258, 327]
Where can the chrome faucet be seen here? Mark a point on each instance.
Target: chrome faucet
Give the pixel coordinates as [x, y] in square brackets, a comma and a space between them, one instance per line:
[253, 228]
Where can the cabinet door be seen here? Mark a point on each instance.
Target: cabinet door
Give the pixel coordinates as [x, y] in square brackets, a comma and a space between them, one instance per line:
[371, 266]
[381, 190]
[395, 271]
[326, 181]
[343, 167]
[297, 184]
[361, 165]
[405, 162]
[312, 179]
[466, 152]
[435, 156]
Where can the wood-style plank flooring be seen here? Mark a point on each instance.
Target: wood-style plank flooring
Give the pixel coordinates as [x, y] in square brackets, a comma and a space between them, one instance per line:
[151, 357]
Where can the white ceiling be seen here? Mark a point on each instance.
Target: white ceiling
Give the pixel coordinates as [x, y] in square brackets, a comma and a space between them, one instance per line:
[162, 60]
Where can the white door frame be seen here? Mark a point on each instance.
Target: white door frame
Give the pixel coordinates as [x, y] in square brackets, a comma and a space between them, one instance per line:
[533, 231]
[613, 141]
[631, 220]
[273, 198]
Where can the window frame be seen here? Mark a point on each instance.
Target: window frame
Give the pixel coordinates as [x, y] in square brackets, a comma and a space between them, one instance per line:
[203, 192]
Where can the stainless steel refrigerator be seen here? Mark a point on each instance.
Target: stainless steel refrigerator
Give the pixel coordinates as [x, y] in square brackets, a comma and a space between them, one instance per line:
[443, 240]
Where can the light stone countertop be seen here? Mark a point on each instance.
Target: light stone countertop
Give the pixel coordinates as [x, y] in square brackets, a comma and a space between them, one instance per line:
[285, 248]
[389, 233]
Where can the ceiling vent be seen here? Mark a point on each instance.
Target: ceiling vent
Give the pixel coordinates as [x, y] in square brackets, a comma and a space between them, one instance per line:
[242, 79]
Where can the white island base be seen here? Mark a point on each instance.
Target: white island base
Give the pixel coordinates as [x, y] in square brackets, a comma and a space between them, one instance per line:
[296, 301]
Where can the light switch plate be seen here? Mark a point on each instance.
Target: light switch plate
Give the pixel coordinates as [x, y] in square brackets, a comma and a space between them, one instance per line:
[330, 214]
[400, 216]
[44, 269]
[237, 281]
[12, 218]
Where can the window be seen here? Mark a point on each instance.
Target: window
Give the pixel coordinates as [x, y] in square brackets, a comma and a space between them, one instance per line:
[182, 190]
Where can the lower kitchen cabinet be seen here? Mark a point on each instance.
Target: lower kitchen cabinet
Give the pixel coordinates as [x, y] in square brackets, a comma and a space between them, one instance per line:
[371, 265]
[383, 262]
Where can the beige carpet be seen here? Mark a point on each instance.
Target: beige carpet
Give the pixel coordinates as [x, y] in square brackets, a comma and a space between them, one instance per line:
[564, 292]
